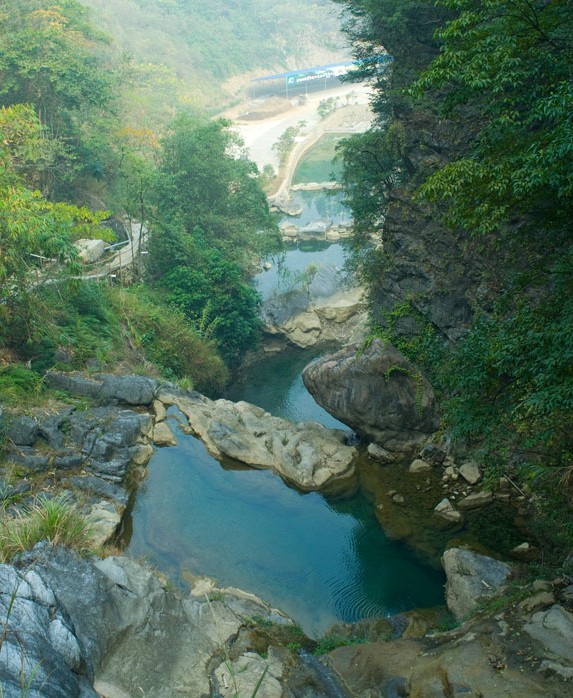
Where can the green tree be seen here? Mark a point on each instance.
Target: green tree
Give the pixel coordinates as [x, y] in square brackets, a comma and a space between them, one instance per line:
[497, 76]
[49, 59]
[36, 235]
[208, 183]
[212, 221]
[512, 61]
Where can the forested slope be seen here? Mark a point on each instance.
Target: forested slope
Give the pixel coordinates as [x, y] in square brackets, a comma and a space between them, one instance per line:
[186, 52]
[75, 163]
[462, 199]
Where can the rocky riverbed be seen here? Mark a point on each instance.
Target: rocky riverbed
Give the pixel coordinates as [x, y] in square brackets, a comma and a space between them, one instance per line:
[114, 628]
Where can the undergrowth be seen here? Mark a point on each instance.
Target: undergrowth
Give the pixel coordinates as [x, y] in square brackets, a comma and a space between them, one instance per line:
[165, 338]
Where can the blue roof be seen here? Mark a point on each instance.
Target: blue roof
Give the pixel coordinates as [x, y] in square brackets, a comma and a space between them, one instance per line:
[307, 71]
[303, 71]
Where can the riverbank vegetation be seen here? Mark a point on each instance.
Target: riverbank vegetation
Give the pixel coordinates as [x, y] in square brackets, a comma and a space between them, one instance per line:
[474, 133]
[78, 162]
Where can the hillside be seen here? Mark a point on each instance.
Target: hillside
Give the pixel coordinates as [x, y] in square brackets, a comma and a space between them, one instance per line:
[203, 53]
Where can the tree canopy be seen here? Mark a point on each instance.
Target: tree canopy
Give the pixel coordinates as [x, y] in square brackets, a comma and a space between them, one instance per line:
[50, 58]
[212, 221]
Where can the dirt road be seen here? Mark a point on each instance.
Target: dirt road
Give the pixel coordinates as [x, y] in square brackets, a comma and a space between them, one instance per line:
[260, 136]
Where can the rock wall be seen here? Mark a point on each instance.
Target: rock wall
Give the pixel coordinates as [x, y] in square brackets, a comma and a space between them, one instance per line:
[440, 271]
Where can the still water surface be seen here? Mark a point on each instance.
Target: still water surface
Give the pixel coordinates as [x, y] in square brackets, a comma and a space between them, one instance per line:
[320, 560]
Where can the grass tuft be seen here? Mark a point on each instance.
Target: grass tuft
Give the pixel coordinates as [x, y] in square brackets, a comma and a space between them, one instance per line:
[55, 519]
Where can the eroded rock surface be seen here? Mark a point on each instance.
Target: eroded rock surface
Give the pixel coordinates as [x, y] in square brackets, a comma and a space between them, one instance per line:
[305, 453]
[377, 392]
[74, 628]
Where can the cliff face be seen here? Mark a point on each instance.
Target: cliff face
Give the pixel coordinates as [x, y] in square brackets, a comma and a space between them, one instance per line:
[438, 270]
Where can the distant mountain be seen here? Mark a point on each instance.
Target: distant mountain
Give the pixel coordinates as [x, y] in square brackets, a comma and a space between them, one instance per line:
[203, 52]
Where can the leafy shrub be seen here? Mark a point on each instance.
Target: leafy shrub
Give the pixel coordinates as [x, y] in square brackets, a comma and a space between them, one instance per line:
[17, 382]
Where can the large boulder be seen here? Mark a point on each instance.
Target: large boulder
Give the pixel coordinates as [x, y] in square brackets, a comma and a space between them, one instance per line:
[306, 454]
[471, 577]
[377, 392]
[553, 628]
[106, 388]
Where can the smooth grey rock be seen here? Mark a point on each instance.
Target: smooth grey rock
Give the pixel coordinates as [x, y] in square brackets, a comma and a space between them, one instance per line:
[554, 629]
[471, 577]
[380, 454]
[476, 500]
[68, 461]
[85, 594]
[377, 392]
[419, 466]
[101, 488]
[22, 430]
[30, 664]
[29, 459]
[64, 642]
[470, 472]
[565, 672]
[446, 510]
[133, 390]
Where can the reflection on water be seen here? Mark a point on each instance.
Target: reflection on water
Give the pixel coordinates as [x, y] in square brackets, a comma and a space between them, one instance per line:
[324, 205]
[275, 384]
[319, 561]
[319, 163]
[295, 260]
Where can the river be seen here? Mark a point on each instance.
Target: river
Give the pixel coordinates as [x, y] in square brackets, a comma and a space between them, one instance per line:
[319, 559]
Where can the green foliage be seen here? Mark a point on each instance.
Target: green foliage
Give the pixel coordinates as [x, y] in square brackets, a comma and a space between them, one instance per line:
[49, 59]
[166, 339]
[285, 143]
[36, 235]
[70, 316]
[404, 29]
[414, 335]
[501, 72]
[18, 383]
[330, 642]
[511, 60]
[511, 380]
[373, 164]
[327, 106]
[207, 184]
[52, 519]
[213, 220]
